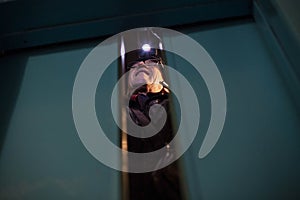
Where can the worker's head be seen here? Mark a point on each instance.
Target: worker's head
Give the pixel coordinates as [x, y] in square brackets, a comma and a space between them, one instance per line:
[146, 69]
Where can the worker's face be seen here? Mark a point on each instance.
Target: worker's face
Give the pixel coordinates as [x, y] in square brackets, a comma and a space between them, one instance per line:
[144, 72]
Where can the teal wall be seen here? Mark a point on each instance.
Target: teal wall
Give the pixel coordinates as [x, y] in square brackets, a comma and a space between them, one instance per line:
[257, 156]
[42, 156]
[284, 17]
[279, 22]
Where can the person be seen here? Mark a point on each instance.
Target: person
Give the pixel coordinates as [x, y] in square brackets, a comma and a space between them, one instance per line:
[153, 90]
[146, 72]
[146, 87]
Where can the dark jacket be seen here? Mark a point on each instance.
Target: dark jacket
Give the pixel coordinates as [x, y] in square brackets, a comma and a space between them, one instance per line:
[163, 183]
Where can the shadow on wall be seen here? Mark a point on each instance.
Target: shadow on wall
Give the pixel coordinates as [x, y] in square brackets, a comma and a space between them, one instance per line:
[11, 76]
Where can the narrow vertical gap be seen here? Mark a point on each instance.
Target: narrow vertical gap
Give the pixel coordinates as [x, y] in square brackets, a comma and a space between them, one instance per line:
[123, 135]
[165, 183]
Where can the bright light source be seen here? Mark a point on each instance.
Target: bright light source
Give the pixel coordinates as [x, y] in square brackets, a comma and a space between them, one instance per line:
[122, 50]
[146, 47]
[160, 45]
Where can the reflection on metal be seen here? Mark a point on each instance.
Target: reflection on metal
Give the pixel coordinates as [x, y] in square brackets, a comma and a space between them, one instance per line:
[164, 84]
[124, 143]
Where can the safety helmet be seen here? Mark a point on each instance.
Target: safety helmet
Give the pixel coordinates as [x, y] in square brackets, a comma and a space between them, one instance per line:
[144, 55]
